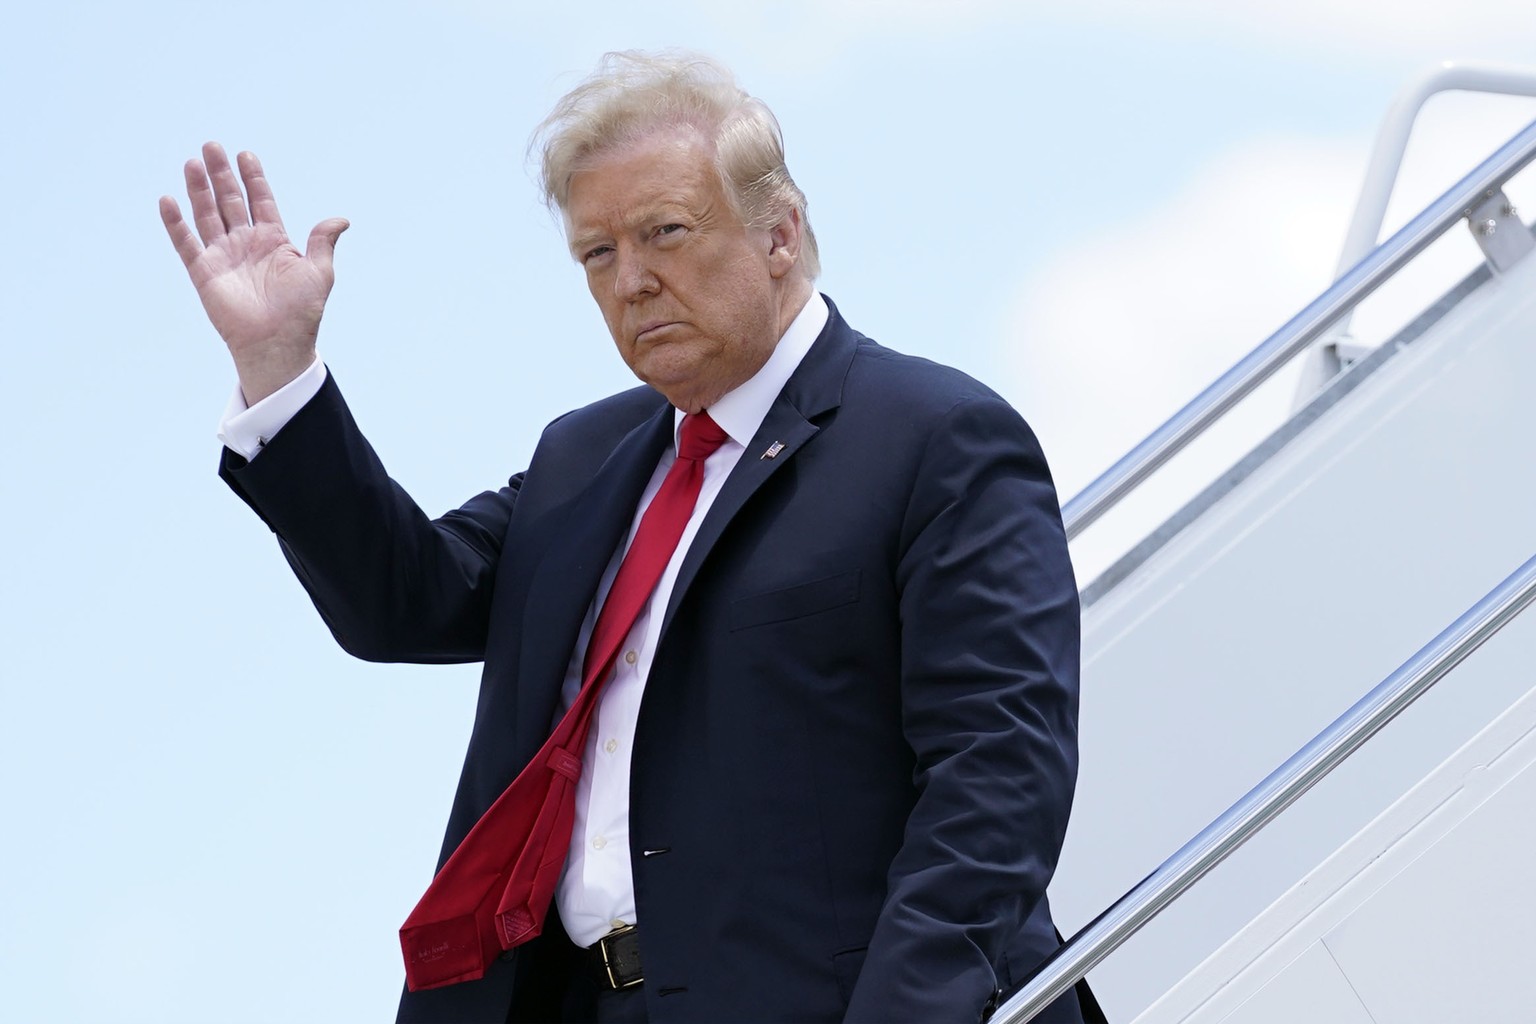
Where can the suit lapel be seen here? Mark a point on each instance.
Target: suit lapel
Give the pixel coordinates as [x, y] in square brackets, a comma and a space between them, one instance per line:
[815, 387]
[587, 531]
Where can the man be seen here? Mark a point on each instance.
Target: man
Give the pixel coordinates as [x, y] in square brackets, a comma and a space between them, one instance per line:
[828, 773]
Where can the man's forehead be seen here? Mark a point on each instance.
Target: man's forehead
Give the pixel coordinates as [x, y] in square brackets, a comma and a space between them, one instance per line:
[620, 188]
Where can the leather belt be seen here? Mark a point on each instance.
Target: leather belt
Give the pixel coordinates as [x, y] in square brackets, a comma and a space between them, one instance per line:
[616, 958]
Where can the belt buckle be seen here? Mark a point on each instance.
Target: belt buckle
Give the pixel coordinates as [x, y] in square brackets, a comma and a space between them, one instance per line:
[614, 980]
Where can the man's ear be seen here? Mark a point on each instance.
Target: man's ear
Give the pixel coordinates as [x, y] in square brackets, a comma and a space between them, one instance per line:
[784, 240]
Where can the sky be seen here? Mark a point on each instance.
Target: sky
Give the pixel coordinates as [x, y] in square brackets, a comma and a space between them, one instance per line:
[211, 812]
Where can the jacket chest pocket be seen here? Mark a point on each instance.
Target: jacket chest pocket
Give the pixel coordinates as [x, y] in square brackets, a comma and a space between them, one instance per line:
[796, 601]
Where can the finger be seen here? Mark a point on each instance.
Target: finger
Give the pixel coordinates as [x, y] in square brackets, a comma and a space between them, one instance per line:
[263, 205]
[205, 212]
[186, 243]
[226, 187]
[321, 247]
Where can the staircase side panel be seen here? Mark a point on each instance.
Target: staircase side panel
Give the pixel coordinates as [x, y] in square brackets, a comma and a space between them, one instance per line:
[1288, 599]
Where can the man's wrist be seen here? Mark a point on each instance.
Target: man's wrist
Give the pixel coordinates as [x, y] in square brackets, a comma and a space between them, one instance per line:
[246, 428]
[265, 373]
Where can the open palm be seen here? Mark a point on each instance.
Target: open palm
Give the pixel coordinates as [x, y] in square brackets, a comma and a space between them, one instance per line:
[263, 296]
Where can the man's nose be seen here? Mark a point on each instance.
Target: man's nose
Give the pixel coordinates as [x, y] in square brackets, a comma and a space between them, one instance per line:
[634, 278]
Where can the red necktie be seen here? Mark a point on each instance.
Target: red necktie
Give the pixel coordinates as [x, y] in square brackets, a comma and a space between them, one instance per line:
[494, 891]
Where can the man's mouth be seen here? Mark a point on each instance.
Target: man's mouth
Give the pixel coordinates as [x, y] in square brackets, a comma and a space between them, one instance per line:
[649, 331]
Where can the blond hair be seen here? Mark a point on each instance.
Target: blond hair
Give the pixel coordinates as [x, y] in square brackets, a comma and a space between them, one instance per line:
[633, 93]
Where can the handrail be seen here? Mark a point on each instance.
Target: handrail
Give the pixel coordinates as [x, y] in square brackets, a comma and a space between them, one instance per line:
[1299, 332]
[1397, 126]
[1309, 765]
[1381, 178]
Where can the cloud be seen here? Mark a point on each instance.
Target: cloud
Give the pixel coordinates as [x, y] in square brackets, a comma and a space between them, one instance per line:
[1364, 28]
[1431, 29]
[1120, 331]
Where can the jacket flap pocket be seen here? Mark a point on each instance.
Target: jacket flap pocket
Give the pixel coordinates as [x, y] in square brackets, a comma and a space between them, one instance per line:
[794, 602]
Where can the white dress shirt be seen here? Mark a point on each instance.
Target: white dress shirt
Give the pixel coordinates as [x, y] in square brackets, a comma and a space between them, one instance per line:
[597, 889]
[245, 430]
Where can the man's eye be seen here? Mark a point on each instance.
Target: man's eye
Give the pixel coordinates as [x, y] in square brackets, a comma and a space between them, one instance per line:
[593, 253]
[669, 229]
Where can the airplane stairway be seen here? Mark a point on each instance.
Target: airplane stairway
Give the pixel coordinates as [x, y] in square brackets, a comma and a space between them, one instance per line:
[1383, 509]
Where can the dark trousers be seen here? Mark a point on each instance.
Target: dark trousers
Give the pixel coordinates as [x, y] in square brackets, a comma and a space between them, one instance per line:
[625, 1006]
[557, 984]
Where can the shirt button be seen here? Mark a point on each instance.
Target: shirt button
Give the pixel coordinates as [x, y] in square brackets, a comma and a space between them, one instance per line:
[611, 746]
[630, 657]
[598, 842]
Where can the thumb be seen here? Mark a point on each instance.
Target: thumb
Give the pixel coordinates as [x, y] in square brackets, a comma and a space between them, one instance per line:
[321, 247]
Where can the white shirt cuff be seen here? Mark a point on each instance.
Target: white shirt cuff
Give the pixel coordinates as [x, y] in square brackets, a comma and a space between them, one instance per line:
[245, 430]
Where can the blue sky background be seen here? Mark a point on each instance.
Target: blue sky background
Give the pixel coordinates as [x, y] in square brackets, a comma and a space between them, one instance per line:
[210, 812]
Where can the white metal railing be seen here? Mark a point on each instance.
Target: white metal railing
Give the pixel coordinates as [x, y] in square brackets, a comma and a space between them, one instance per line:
[1392, 139]
[1301, 331]
[1381, 173]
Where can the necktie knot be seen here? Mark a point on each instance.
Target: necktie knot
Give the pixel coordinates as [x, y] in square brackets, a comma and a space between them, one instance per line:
[699, 437]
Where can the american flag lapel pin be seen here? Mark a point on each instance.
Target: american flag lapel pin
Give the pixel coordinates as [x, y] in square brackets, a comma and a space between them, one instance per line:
[773, 451]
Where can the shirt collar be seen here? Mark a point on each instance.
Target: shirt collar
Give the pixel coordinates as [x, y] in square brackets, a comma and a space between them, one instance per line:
[741, 411]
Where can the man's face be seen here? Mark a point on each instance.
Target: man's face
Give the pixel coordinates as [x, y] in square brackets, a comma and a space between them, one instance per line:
[694, 299]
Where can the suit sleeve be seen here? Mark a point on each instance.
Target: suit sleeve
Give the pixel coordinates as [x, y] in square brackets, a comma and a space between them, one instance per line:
[391, 583]
[990, 648]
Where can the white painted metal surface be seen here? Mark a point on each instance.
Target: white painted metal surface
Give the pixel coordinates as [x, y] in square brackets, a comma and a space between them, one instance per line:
[1253, 628]
[1425, 916]
[1288, 783]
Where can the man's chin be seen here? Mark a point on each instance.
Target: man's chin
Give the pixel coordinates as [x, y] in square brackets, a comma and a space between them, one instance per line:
[687, 401]
[686, 394]
[680, 381]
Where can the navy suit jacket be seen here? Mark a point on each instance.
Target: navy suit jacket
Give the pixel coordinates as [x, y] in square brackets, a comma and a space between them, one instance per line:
[857, 744]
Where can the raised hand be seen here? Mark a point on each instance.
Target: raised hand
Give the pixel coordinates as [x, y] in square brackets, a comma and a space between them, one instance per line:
[264, 297]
